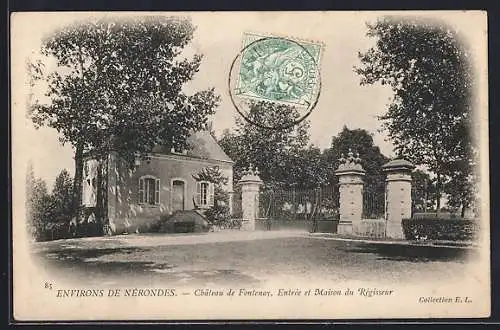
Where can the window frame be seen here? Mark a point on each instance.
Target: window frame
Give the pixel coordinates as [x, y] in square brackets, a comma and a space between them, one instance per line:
[209, 197]
[143, 193]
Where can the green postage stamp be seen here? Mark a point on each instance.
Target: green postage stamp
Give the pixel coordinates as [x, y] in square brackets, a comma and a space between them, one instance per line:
[279, 69]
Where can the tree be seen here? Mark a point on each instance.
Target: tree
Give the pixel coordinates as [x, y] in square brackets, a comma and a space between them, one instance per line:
[38, 203]
[360, 141]
[309, 168]
[461, 188]
[62, 195]
[423, 191]
[48, 215]
[429, 72]
[219, 213]
[117, 86]
[272, 151]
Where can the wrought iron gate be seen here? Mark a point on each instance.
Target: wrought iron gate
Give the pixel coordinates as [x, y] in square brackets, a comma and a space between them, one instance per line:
[374, 201]
[307, 209]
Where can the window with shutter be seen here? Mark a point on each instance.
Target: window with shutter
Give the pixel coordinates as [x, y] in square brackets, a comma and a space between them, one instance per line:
[157, 192]
[141, 190]
[198, 194]
[210, 194]
[149, 190]
[204, 194]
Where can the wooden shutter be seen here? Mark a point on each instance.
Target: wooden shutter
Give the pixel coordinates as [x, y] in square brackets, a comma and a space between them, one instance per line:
[197, 197]
[141, 190]
[210, 194]
[157, 191]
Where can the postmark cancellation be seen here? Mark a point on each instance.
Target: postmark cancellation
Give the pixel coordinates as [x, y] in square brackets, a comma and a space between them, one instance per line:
[279, 69]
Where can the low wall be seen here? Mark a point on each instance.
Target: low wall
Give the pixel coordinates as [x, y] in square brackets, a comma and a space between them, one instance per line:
[373, 228]
[327, 226]
[322, 226]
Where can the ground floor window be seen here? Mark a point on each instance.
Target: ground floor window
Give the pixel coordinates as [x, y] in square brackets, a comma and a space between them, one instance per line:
[204, 194]
[149, 190]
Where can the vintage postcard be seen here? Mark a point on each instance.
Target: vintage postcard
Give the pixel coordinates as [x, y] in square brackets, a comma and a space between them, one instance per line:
[250, 165]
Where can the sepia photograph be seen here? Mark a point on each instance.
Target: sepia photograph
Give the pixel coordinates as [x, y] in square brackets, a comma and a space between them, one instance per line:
[250, 165]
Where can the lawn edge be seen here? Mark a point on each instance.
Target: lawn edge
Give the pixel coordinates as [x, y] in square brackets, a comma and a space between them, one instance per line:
[436, 244]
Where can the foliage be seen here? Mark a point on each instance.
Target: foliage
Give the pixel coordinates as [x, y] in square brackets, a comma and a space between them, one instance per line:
[305, 167]
[273, 151]
[218, 214]
[309, 168]
[62, 194]
[461, 187]
[37, 202]
[117, 85]
[440, 229]
[423, 191]
[211, 174]
[48, 214]
[360, 141]
[429, 72]
[106, 68]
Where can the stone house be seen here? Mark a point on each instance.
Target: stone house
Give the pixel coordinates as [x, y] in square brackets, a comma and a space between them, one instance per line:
[159, 186]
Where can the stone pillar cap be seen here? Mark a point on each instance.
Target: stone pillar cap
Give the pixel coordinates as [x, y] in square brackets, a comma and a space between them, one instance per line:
[398, 165]
[350, 165]
[250, 175]
[350, 171]
[249, 178]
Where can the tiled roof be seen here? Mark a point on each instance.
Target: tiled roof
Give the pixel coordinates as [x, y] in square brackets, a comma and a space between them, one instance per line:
[202, 146]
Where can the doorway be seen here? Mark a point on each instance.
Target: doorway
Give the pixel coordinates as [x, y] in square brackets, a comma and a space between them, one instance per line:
[177, 195]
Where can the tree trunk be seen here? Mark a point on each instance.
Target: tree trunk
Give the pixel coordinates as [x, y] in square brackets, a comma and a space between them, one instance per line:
[77, 182]
[104, 187]
[465, 205]
[101, 196]
[438, 194]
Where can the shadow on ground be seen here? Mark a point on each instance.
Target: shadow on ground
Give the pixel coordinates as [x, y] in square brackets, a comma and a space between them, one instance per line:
[412, 253]
[131, 266]
[250, 262]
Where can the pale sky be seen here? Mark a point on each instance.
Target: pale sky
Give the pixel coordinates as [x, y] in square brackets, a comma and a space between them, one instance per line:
[218, 37]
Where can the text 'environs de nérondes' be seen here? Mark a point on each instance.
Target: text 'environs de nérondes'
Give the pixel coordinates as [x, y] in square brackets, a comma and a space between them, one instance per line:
[127, 292]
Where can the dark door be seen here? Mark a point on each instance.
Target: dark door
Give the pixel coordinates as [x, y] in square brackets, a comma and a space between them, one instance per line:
[177, 195]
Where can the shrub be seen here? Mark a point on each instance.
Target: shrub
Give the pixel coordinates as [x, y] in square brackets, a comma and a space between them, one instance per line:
[440, 229]
[153, 227]
[436, 215]
[53, 231]
[219, 213]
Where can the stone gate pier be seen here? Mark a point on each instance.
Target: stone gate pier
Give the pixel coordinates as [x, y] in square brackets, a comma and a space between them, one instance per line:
[398, 200]
[350, 174]
[250, 184]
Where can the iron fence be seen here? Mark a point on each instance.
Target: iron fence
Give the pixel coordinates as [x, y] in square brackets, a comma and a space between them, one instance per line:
[236, 207]
[373, 202]
[311, 209]
[308, 209]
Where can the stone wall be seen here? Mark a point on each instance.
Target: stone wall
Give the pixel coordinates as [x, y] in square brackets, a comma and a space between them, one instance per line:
[372, 228]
